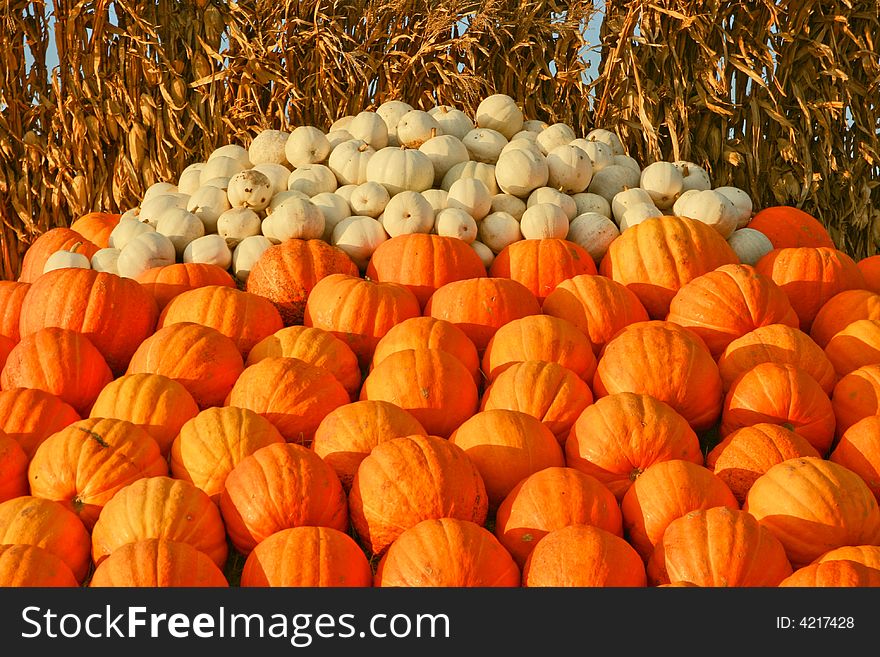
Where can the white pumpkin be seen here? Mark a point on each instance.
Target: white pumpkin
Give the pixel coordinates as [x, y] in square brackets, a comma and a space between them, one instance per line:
[523, 144]
[681, 202]
[416, 127]
[278, 174]
[500, 113]
[312, 179]
[220, 182]
[295, 218]
[281, 197]
[342, 123]
[268, 147]
[131, 213]
[544, 220]
[554, 196]
[594, 232]
[105, 260]
[306, 145]
[454, 222]
[444, 151]
[484, 252]
[452, 120]
[607, 137]
[693, 176]
[508, 203]
[147, 250]
[158, 188]
[408, 212]
[589, 202]
[742, 203]
[712, 208]
[520, 172]
[535, 125]
[237, 224]
[190, 179]
[613, 179]
[629, 162]
[484, 144]
[470, 195]
[750, 245]
[471, 169]
[181, 227]
[399, 169]
[637, 213]
[391, 112]
[628, 198]
[208, 203]
[210, 250]
[369, 199]
[570, 169]
[349, 161]
[235, 152]
[527, 135]
[369, 127]
[126, 230]
[663, 181]
[336, 137]
[220, 167]
[600, 153]
[436, 198]
[156, 206]
[252, 189]
[345, 191]
[67, 258]
[558, 134]
[499, 229]
[246, 254]
[334, 207]
[359, 237]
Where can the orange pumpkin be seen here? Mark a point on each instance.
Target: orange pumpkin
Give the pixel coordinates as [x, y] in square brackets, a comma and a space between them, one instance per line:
[550, 499]
[61, 362]
[280, 486]
[621, 435]
[29, 416]
[286, 273]
[583, 556]
[406, 480]
[349, 433]
[658, 256]
[725, 304]
[424, 263]
[54, 239]
[786, 226]
[666, 361]
[166, 282]
[6, 347]
[859, 450]
[213, 442]
[447, 552]
[856, 396]
[307, 557]
[12, 294]
[839, 573]
[842, 309]
[158, 563]
[200, 358]
[299, 397]
[870, 267]
[718, 547]
[31, 566]
[856, 345]
[13, 469]
[868, 555]
[96, 227]
[542, 264]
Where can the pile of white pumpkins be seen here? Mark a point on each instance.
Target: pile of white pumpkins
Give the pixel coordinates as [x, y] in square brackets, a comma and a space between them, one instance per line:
[489, 180]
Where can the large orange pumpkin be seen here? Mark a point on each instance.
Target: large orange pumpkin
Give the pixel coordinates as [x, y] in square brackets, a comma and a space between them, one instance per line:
[718, 547]
[6, 347]
[868, 555]
[856, 396]
[780, 394]
[656, 257]
[666, 361]
[810, 276]
[349, 433]
[55, 239]
[665, 491]
[424, 263]
[842, 309]
[550, 499]
[447, 552]
[29, 416]
[307, 557]
[856, 345]
[299, 397]
[839, 573]
[160, 507]
[859, 450]
[158, 563]
[725, 304]
[116, 314]
[30, 520]
[286, 273]
[621, 435]
[786, 226]
[13, 469]
[31, 566]
[406, 480]
[276, 487]
[61, 362]
[812, 506]
[213, 442]
[84, 465]
[243, 317]
[597, 305]
[166, 282]
[12, 294]
[542, 264]
[96, 227]
[200, 358]
[870, 268]
[583, 556]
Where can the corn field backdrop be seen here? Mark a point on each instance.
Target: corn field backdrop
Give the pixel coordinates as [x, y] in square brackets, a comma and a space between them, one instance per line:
[781, 98]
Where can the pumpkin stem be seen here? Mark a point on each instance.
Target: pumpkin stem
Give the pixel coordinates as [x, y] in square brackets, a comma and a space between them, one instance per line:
[75, 247]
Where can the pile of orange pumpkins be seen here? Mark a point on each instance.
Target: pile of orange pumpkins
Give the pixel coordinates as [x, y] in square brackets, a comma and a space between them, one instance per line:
[666, 416]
